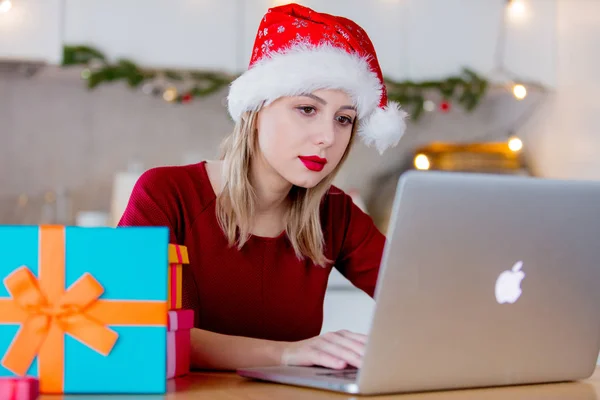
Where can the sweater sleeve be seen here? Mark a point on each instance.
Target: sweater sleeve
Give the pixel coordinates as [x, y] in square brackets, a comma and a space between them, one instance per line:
[362, 248]
[152, 203]
[157, 200]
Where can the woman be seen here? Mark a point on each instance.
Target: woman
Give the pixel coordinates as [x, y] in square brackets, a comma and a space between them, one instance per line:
[263, 225]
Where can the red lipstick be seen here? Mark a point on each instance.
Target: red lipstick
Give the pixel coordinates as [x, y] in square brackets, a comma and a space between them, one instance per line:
[313, 163]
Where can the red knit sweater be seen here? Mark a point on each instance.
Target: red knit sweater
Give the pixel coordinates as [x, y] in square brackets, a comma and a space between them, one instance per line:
[262, 290]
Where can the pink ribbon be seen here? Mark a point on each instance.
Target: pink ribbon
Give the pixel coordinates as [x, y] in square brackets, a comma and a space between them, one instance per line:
[171, 355]
[179, 258]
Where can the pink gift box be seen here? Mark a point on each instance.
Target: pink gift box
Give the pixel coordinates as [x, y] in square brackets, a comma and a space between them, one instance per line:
[178, 342]
[22, 388]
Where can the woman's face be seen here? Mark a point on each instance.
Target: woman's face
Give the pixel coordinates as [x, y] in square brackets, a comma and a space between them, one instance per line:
[303, 138]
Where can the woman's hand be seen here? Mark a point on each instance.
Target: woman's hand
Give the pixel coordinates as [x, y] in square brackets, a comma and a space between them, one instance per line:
[334, 350]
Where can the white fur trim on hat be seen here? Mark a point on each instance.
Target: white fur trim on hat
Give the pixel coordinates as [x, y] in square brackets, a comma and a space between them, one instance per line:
[305, 68]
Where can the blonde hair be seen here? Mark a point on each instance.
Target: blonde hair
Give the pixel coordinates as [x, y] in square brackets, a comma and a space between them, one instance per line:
[236, 203]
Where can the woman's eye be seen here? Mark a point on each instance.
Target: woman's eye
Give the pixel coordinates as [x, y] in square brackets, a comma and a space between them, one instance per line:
[344, 120]
[307, 109]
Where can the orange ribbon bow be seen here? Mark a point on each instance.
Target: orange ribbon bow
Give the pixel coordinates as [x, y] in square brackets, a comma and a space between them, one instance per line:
[46, 312]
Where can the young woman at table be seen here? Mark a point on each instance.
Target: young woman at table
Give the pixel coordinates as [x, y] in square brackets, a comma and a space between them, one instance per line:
[263, 225]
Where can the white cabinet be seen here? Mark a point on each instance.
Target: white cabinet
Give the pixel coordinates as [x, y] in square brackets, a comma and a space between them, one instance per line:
[430, 39]
[31, 31]
[414, 39]
[195, 34]
[445, 35]
[531, 43]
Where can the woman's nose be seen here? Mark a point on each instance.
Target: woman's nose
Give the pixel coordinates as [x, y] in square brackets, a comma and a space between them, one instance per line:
[325, 135]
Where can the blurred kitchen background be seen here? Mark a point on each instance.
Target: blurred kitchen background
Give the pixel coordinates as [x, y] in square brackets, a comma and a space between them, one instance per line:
[92, 93]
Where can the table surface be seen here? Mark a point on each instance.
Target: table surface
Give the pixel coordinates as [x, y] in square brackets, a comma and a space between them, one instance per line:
[228, 386]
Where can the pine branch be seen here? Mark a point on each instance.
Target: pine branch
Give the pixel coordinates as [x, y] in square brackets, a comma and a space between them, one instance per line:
[466, 89]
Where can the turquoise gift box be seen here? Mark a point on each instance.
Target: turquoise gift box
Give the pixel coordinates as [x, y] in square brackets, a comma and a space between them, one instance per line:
[85, 309]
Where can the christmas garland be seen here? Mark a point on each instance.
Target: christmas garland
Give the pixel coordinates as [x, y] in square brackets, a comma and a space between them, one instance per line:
[174, 86]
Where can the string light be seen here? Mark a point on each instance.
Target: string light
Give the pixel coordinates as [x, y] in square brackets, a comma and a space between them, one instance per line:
[429, 106]
[517, 9]
[519, 91]
[422, 162]
[5, 6]
[170, 94]
[500, 75]
[148, 88]
[515, 144]
[86, 73]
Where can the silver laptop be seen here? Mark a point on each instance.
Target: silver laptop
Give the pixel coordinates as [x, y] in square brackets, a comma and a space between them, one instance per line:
[486, 280]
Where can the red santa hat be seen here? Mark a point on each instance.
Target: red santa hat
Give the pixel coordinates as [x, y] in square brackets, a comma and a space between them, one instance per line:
[298, 50]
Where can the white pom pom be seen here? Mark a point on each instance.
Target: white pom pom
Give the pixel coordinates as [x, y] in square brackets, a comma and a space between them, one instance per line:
[384, 128]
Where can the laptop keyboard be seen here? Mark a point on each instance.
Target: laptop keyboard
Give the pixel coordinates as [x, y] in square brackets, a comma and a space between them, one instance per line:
[344, 374]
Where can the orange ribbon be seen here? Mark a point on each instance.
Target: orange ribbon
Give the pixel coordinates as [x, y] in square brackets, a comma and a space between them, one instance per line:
[46, 312]
[178, 254]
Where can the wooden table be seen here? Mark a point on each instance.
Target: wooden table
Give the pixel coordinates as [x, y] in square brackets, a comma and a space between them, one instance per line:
[228, 386]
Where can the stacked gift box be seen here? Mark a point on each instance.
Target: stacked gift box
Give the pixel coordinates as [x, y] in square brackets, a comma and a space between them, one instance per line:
[90, 310]
[180, 320]
[22, 388]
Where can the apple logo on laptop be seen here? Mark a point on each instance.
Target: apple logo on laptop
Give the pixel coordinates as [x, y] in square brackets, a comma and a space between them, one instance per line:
[508, 284]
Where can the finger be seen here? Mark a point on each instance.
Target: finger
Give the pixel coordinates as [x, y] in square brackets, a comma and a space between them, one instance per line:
[359, 337]
[354, 345]
[340, 352]
[319, 357]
